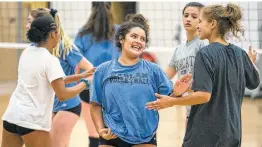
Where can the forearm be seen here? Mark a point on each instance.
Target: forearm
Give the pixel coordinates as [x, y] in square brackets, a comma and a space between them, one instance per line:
[192, 99]
[170, 72]
[71, 92]
[97, 117]
[84, 64]
[72, 78]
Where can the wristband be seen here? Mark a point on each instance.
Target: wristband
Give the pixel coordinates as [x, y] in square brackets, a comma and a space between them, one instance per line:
[85, 81]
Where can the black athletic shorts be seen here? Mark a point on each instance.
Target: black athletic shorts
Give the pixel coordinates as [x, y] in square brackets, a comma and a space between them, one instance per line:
[12, 128]
[76, 110]
[120, 143]
[85, 96]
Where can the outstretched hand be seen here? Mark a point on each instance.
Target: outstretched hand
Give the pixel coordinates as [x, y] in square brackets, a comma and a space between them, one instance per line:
[182, 85]
[163, 101]
[88, 74]
[252, 54]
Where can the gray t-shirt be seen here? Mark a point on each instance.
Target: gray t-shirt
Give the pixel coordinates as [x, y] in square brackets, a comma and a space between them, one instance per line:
[223, 71]
[183, 59]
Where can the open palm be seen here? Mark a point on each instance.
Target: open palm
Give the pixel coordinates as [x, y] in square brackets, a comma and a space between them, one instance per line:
[252, 54]
[182, 85]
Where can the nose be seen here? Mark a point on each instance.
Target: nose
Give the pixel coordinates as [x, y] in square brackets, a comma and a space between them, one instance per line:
[137, 40]
[188, 19]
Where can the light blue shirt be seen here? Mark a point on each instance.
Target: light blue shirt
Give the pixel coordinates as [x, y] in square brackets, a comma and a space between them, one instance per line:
[68, 64]
[96, 52]
[123, 91]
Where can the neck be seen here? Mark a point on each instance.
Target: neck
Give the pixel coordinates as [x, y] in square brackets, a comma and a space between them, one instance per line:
[217, 38]
[127, 61]
[45, 45]
[190, 35]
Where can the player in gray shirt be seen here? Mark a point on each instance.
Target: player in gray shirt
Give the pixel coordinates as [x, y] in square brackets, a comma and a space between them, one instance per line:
[183, 59]
[222, 71]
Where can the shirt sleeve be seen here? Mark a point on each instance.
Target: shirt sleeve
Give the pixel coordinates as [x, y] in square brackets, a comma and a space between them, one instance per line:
[251, 74]
[96, 88]
[203, 73]
[78, 43]
[164, 84]
[83, 43]
[74, 57]
[54, 70]
[172, 62]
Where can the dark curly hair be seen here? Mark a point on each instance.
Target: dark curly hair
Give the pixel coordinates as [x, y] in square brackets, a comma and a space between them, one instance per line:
[131, 21]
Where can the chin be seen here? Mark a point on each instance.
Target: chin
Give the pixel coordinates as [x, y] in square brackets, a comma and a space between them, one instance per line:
[187, 28]
[190, 29]
[137, 55]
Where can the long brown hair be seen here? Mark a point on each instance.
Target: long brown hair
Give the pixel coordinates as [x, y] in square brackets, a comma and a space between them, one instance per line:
[100, 23]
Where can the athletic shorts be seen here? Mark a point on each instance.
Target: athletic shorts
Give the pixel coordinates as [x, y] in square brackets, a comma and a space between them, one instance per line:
[76, 110]
[120, 143]
[85, 96]
[13, 128]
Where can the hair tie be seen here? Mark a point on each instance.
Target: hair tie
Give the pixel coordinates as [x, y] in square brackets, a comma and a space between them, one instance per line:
[225, 18]
[53, 12]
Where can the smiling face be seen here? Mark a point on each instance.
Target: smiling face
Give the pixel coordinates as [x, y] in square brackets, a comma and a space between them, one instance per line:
[134, 42]
[190, 18]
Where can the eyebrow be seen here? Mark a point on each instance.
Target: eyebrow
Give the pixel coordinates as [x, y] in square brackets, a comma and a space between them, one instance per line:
[191, 13]
[136, 34]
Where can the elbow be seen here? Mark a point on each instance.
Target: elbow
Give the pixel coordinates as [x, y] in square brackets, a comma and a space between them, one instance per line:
[94, 105]
[205, 97]
[61, 97]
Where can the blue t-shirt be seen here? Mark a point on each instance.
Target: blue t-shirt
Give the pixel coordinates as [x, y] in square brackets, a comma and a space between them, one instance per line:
[123, 92]
[96, 52]
[68, 64]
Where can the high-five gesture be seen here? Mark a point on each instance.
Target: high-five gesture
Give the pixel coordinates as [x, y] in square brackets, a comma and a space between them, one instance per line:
[182, 85]
[252, 54]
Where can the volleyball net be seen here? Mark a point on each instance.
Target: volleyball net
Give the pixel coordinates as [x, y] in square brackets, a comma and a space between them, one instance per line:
[165, 20]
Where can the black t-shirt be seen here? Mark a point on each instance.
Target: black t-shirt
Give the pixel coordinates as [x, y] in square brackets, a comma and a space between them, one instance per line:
[224, 71]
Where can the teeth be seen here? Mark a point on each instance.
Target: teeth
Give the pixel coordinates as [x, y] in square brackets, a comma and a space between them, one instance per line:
[136, 48]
